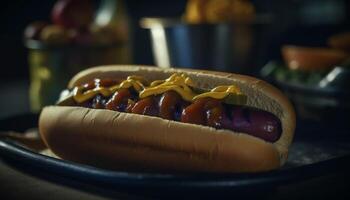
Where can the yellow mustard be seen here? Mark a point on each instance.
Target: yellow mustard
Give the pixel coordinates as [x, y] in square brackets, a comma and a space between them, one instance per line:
[220, 92]
[176, 82]
[132, 81]
[179, 83]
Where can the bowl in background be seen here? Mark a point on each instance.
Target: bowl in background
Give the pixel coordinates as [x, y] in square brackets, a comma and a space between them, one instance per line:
[340, 41]
[233, 47]
[312, 58]
[321, 100]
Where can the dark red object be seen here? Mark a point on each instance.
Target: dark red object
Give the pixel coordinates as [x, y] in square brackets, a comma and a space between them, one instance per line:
[119, 100]
[258, 123]
[82, 37]
[168, 103]
[73, 13]
[195, 113]
[146, 106]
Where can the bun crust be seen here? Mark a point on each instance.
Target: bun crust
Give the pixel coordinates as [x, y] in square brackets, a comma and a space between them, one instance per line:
[127, 141]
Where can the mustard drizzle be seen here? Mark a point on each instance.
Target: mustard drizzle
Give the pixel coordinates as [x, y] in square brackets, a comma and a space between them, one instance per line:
[179, 83]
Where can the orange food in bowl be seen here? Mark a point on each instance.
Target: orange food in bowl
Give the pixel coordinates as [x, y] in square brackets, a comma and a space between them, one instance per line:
[219, 11]
[312, 58]
[340, 41]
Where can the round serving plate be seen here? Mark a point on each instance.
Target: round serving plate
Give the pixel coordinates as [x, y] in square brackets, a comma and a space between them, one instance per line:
[310, 157]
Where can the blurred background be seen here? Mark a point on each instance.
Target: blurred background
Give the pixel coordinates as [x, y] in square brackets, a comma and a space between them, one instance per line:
[241, 36]
[300, 46]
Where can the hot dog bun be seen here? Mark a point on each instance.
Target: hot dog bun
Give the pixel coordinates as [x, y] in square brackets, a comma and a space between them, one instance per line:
[127, 141]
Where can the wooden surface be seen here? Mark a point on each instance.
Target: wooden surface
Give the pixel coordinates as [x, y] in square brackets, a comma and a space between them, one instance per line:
[17, 185]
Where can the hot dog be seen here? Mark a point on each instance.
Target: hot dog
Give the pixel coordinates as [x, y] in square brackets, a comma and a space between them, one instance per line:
[146, 118]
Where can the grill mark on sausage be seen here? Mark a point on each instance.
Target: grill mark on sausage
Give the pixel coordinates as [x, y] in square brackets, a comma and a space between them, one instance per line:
[210, 112]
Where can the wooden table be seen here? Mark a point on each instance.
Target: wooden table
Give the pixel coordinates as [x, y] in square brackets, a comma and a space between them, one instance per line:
[18, 185]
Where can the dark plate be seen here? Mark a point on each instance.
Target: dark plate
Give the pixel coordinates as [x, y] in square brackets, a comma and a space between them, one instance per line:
[310, 157]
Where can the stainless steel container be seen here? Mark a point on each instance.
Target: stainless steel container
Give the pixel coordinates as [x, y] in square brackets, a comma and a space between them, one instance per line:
[51, 67]
[233, 47]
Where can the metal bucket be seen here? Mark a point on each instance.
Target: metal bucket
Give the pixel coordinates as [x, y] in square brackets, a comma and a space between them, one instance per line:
[232, 47]
[51, 67]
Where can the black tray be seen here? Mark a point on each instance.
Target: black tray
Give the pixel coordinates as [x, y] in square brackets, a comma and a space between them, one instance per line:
[310, 157]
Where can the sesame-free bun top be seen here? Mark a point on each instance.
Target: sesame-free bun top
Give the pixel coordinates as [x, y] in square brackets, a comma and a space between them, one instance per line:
[124, 140]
